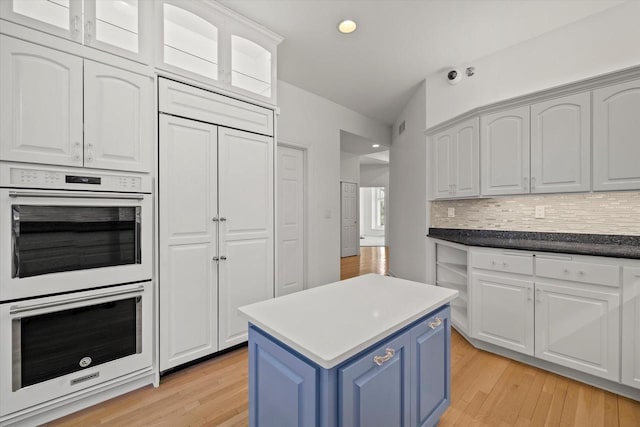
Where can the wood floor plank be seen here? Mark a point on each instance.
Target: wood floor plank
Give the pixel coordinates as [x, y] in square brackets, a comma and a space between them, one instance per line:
[487, 390]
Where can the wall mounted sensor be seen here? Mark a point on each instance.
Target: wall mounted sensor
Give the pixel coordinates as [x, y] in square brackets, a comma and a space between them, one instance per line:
[454, 76]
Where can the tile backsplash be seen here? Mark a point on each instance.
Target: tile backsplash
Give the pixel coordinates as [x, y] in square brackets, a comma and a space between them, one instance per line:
[593, 213]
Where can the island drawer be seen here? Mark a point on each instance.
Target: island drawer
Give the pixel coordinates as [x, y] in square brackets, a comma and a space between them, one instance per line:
[506, 262]
[583, 270]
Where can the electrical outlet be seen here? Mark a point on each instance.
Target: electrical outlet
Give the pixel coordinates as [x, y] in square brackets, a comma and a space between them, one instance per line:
[451, 212]
[539, 212]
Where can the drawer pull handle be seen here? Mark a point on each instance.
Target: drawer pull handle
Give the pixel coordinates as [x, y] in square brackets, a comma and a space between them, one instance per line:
[566, 270]
[389, 353]
[493, 263]
[504, 264]
[581, 272]
[435, 324]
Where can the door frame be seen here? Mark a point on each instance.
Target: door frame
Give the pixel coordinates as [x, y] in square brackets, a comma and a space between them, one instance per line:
[305, 209]
[357, 184]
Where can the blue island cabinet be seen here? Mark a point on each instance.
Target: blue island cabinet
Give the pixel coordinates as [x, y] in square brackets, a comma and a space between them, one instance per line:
[403, 380]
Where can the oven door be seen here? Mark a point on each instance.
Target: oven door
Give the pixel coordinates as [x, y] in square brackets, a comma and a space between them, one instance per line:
[51, 347]
[61, 241]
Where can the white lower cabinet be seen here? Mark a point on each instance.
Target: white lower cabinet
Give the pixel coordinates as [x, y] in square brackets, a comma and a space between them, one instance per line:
[216, 235]
[631, 327]
[578, 327]
[567, 312]
[502, 311]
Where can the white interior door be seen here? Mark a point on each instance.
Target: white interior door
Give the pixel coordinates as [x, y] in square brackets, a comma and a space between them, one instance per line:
[188, 241]
[245, 174]
[349, 215]
[290, 222]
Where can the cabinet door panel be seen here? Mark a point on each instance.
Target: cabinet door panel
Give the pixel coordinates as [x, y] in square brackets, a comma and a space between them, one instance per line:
[41, 108]
[441, 161]
[188, 241]
[118, 118]
[62, 18]
[246, 234]
[578, 328]
[631, 327]
[561, 145]
[466, 159]
[283, 389]
[616, 137]
[430, 367]
[372, 395]
[502, 311]
[505, 152]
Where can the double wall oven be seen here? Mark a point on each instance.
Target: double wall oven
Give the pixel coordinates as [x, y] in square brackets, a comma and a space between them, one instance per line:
[75, 280]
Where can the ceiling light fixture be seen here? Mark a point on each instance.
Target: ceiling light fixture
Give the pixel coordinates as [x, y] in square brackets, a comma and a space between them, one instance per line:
[347, 26]
[376, 145]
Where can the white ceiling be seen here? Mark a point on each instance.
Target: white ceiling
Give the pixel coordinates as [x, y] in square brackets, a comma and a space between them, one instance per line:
[358, 145]
[381, 158]
[398, 42]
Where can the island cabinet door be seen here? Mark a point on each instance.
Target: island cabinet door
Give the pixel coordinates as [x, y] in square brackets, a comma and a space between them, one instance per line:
[430, 367]
[283, 388]
[374, 390]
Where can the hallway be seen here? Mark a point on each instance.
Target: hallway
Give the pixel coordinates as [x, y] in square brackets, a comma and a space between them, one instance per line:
[372, 259]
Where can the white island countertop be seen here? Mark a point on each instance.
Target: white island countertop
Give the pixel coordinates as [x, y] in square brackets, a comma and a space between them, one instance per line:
[331, 323]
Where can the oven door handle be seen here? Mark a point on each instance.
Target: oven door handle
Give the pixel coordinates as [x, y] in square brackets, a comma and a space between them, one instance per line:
[72, 195]
[25, 308]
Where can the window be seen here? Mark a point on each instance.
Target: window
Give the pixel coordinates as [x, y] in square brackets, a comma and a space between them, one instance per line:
[378, 208]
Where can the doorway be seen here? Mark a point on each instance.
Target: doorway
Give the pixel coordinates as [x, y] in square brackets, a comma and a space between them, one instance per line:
[372, 216]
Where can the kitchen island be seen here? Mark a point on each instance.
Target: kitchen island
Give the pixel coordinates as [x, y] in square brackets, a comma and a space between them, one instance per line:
[368, 351]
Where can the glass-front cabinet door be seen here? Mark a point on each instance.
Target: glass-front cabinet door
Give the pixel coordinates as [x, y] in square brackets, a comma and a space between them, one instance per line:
[252, 62]
[122, 27]
[62, 18]
[190, 40]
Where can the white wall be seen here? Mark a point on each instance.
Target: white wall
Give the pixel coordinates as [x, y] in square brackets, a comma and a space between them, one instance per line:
[366, 213]
[310, 121]
[349, 167]
[407, 223]
[598, 44]
[374, 175]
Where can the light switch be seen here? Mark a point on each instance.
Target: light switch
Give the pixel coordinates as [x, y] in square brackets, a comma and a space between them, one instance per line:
[539, 212]
[451, 212]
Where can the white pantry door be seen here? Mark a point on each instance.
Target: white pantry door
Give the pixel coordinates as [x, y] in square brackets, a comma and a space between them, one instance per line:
[188, 241]
[349, 215]
[245, 176]
[290, 231]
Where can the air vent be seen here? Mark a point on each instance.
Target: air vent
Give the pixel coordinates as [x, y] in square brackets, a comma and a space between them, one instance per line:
[401, 127]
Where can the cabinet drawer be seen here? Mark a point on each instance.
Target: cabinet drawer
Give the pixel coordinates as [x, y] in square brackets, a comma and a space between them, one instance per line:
[193, 103]
[575, 271]
[507, 263]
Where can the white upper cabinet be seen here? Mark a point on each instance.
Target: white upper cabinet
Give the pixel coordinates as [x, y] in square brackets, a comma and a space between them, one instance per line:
[62, 18]
[455, 160]
[40, 104]
[561, 145]
[504, 145]
[122, 27]
[189, 40]
[118, 116]
[616, 137]
[209, 43]
[44, 119]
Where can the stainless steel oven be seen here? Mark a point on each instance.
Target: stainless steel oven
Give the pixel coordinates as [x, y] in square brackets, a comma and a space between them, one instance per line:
[66, 231]
[57, 345]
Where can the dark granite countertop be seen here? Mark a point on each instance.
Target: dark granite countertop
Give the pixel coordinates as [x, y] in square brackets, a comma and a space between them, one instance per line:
[571, 243]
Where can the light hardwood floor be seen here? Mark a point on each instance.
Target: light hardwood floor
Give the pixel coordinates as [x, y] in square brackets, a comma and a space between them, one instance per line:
[487, 390]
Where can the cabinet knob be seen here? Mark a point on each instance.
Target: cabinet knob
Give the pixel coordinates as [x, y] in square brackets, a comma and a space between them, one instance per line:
[215, 258]
[436, 323]
[76, 156]
[389, 353]
[223, 258]
[581, 272]
[88, 26]
[215, 219]
[222, 219]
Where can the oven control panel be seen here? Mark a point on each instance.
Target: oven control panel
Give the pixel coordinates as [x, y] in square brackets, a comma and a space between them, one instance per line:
[27, 177]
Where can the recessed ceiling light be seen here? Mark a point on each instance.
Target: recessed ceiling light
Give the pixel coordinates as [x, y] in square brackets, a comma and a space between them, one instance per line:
[347, 26]
[376, 145]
